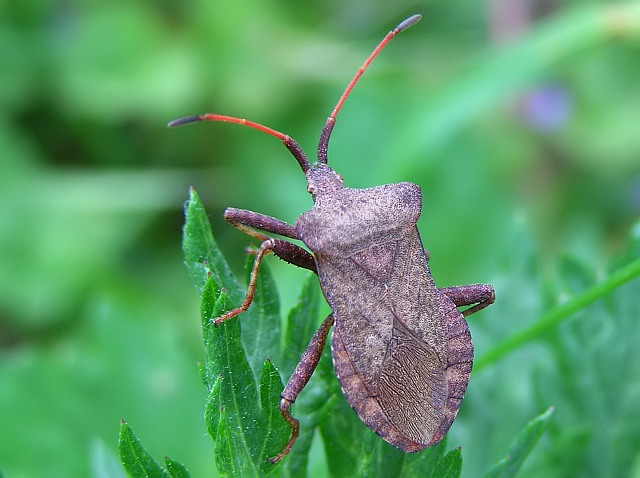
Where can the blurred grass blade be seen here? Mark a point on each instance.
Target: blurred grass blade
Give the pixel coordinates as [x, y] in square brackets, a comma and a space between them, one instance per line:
[559, 313]
[508, 466]
[135, 459]
[503, 73]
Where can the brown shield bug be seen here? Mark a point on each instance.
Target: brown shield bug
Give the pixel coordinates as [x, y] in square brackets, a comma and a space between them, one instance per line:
[401, 348]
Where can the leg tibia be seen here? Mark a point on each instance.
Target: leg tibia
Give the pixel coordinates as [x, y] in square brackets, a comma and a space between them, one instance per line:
[265, 248]
[299, 378]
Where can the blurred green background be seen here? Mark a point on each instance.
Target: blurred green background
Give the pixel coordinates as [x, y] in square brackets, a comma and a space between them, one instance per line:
[519, 119]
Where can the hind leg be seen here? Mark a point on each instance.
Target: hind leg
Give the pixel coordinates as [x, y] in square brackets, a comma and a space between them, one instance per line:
[478, 296]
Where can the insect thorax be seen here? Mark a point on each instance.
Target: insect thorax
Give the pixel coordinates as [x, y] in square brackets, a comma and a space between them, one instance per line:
[349, 220]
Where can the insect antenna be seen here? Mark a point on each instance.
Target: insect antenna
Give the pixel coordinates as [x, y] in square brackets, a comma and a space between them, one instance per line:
[331, 120]
[288, 141]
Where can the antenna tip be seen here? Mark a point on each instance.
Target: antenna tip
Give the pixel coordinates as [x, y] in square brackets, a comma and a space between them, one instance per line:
[184, 120]
[413, 19]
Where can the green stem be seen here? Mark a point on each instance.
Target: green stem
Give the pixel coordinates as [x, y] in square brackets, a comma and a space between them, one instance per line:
[559, 313]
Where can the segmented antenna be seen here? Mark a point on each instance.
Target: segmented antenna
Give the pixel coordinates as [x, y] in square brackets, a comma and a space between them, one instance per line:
[331, 120]
[288, 141]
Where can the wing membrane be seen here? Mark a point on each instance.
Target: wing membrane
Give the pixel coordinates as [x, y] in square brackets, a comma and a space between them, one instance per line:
[393, 327]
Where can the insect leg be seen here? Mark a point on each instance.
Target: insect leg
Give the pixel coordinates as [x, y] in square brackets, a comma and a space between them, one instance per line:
[478, 296]
[266, 247]
[299, 378]
[252, 223]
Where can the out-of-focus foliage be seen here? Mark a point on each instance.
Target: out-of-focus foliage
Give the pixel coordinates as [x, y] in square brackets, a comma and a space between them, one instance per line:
[518, 119]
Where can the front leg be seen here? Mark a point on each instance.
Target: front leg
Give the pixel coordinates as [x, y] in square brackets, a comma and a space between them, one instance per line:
[477, 295]
[252, 223]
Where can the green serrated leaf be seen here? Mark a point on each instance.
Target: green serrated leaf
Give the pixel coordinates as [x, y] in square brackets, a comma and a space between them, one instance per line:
[175, 469]
[215, 301]
[237, 437]
[278, 431]
[203, 375]
[261, 331]
[342, 433]
[521, 447]
[302, 322]
[201, 253]
[368, 458]
[212, 410]
[425, 463]
[315, 400]
[378, 459]
[238, 397]
[450, 466]
[243, 418]
[226, 459]
[135, 459]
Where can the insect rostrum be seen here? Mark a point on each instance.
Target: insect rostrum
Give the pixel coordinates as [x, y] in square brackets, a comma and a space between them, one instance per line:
[401, 348]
